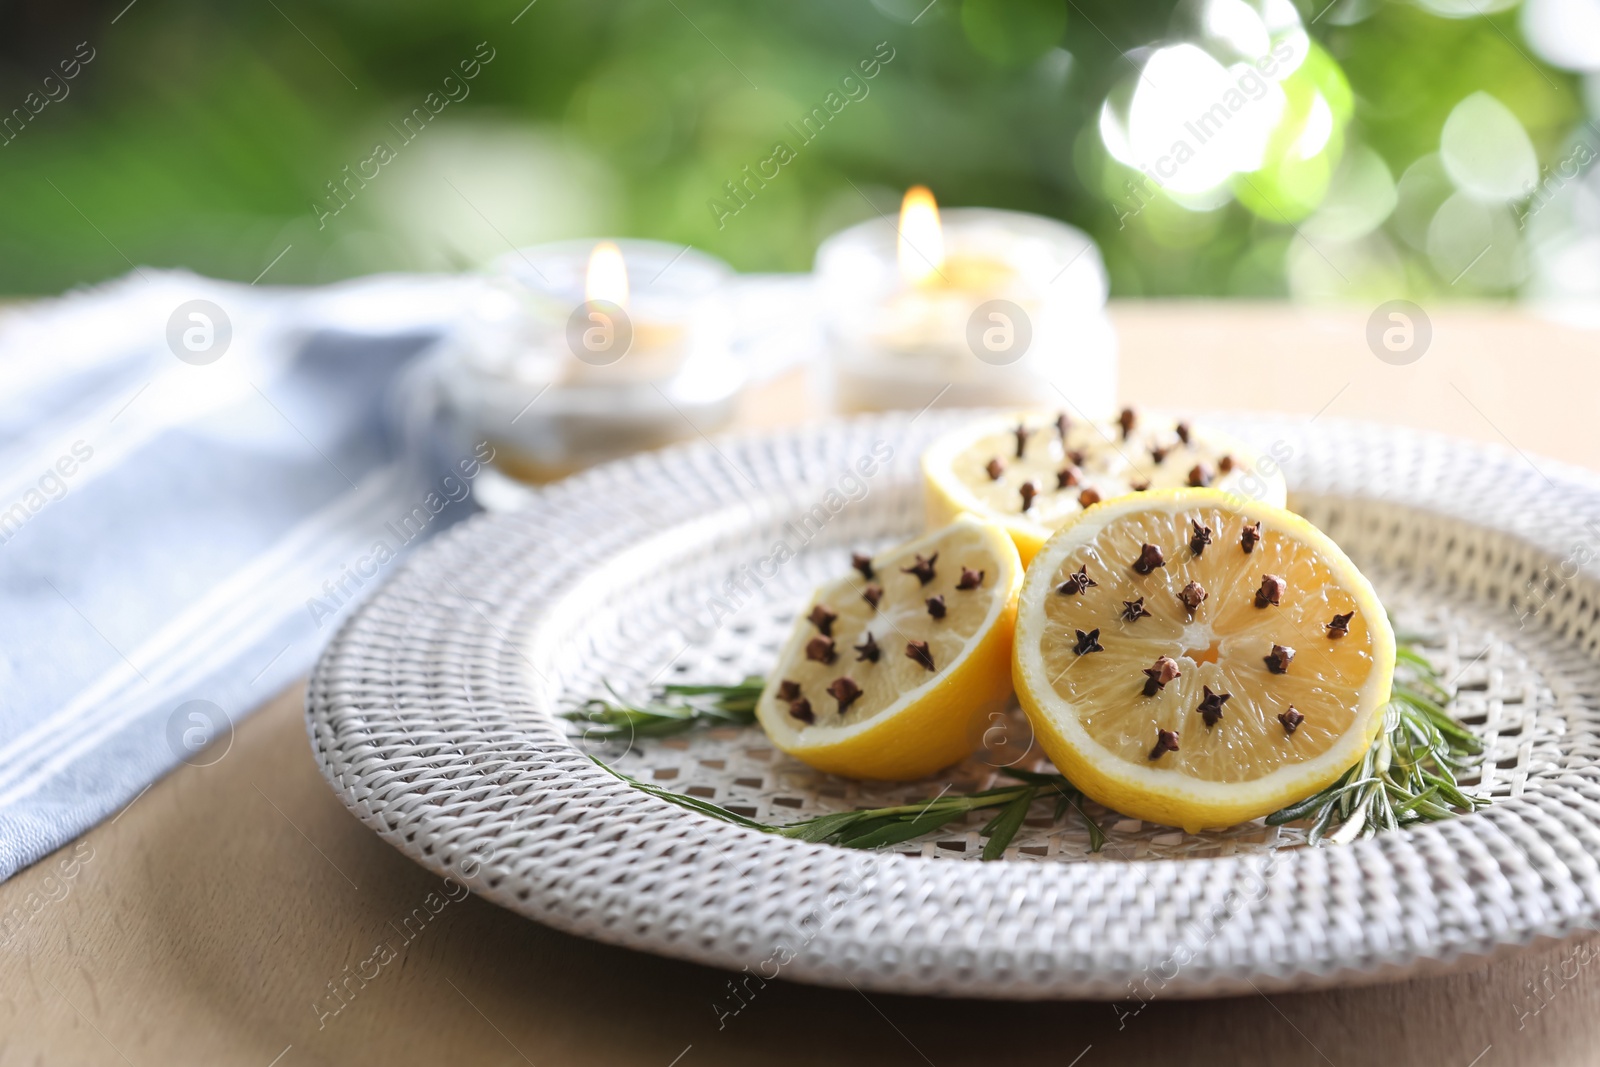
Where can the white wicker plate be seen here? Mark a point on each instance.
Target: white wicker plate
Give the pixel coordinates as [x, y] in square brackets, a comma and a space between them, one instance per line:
[433, 714]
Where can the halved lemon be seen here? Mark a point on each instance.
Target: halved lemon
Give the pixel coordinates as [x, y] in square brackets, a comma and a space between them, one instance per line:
[892, 669]
[1034, 471]
[1196, 662]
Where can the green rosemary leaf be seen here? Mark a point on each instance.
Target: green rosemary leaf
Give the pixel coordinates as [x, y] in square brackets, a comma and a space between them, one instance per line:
[896, 830]
[1003, 827]
[869, 826]
[1302, 810]
[1389, 820]
[1429, 688]
[1320, 826]
[877, 827]
[1347, 797]
[1035, 777]
[988, 828]
[1438, 718]
[735, 703]
[1412, 658]
[1450, 791]
[749, 689]
[1067, 796]
[679, 708]
[822, 827]
[704, 807]
[1097, 836]
[1415, 800]
[659, 728]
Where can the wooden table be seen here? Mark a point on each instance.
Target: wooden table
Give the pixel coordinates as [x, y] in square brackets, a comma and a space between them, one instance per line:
[204, 923]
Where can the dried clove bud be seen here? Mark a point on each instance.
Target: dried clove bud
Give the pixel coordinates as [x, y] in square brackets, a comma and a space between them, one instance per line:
[1225, 464]
[872, 594]
[1087, 642]
[922, 568]
[1127, 420]
[863, 563]
[995, 469]
[970, 579]
[1158, 454]
[822, 619]
[845, 690]
[1200, 475]
[1139, 485]
[1133, 610]
[1279, 658]
[1063, 424]
[820, 649]
[1210, 708]
[1291, 719]
[936, 606]
[1166, 741]
[1077, 583]
[1271, 591]
[1156, 677]
[788, 691]
[801, 709]
[1088, 498]
[1200, 538]
[1021, 433]
[1182, 430]
[1067, 476]
[1339, 625]
[1251, 534]
[919, 651]
[868, 650]
[1076, 457]
[1193, 596]
[1029, 491]
[1150, 558]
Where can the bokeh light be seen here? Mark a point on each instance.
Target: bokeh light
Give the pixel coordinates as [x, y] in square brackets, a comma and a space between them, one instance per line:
[1486, 152]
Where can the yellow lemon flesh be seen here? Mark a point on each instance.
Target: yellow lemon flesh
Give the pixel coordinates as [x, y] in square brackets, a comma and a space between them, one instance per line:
[1203, 705]
[1022, 472]
[892, 669]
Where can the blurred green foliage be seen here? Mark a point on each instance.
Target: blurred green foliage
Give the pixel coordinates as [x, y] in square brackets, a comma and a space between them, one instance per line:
[202, 136]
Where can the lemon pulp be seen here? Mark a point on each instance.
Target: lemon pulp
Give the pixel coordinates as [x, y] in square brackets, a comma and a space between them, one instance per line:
[984, 468]
[1263, 702]
[939, 612]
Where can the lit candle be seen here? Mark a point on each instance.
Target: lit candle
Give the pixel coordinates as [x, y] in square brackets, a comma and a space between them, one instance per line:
[607, 277]
[581, 351]
[609, 343]
[980, 307]
[920, 251]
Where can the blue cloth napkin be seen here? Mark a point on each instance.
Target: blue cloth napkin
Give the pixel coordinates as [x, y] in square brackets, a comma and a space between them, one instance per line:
[188, 507]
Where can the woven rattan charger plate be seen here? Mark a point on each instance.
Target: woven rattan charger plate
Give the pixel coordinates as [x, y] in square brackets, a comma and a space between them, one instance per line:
[434, 715]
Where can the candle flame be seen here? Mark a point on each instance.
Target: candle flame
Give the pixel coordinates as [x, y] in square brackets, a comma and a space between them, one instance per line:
[921, 250]
[608, 275]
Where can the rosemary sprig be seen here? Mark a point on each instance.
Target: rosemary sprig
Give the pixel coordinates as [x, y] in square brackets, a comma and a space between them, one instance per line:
[1409, 773]
[675, 709]
[881, 827]
[1407, 776]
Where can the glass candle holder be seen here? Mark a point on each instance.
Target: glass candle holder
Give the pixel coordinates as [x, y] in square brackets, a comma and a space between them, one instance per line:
[979, 308]
[578, 352]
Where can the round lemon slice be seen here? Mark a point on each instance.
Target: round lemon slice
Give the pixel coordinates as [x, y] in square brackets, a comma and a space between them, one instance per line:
[892, 669]
[1034, 471]
[1192, 661]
